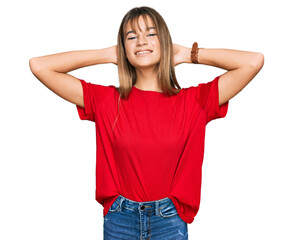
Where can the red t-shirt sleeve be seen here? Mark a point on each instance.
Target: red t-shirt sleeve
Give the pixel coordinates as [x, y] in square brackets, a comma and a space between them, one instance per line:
[208, 98]
[93, 96]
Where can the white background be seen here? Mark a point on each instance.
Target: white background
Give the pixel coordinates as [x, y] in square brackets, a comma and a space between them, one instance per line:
[47, 168]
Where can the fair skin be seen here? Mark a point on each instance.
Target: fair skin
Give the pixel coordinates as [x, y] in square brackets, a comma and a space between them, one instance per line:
[242, 66]
[52, 70]
[145, 63]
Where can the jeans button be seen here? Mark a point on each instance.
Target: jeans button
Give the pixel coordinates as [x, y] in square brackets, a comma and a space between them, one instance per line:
[142, 207]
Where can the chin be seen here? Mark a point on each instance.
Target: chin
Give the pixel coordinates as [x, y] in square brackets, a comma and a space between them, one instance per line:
[146, 65]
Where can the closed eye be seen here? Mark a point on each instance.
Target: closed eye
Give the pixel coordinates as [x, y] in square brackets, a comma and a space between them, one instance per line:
[152, 34]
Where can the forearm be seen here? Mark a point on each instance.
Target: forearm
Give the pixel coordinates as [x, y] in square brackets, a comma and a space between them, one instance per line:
[227, 59]
[68, 61]
[242, 67]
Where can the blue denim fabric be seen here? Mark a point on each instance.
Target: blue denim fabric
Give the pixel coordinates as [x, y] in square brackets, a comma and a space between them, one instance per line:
[155, 220]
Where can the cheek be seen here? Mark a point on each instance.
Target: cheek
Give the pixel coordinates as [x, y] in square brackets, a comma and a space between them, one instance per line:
[158, 49]
[157, 44]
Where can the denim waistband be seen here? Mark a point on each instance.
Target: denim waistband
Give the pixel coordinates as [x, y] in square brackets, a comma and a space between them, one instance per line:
[124, 204]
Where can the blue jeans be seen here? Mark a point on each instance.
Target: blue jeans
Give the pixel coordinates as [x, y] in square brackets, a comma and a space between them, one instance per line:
[155, 220]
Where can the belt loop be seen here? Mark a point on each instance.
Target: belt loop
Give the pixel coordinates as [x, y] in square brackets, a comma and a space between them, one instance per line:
[121, 201]
[157, 207]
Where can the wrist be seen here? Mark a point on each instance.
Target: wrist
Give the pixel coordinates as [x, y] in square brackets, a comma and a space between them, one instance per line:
[111, 54]
[199, 53]
[194, 55]
[187, 55]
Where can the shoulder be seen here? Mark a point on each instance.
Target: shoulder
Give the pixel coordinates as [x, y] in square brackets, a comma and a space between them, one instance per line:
[204, 87]
[99, 92]
[98, 87]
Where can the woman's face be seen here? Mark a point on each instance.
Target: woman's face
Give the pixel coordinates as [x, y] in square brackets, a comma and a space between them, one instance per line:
[142, 48]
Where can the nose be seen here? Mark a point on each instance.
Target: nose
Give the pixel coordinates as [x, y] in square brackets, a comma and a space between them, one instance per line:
[141, 40]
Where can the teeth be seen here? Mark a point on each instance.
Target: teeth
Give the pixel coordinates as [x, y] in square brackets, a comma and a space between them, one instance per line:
[142, 52]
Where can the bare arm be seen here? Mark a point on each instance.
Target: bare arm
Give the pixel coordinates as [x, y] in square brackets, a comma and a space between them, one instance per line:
[242, 67]
[52, 70]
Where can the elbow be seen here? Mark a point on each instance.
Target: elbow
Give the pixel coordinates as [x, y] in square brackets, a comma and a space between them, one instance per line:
[257, 61]
[34, 65]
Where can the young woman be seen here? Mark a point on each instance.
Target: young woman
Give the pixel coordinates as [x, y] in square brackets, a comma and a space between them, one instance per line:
[150, 131]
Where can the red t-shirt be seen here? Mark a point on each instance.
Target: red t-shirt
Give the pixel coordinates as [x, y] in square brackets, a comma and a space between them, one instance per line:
[156, 147]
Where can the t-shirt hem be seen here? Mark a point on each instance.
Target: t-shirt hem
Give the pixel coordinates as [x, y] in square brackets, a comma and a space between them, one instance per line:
[220, 111]
[85, 113]
[183, 216]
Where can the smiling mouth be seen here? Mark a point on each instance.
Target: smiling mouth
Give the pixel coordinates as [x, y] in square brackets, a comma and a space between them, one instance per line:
[143, 53]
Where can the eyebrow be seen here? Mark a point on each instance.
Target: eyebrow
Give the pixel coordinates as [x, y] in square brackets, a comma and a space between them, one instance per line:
[134, 32]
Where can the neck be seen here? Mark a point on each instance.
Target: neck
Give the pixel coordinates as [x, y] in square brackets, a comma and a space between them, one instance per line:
[147, 80]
